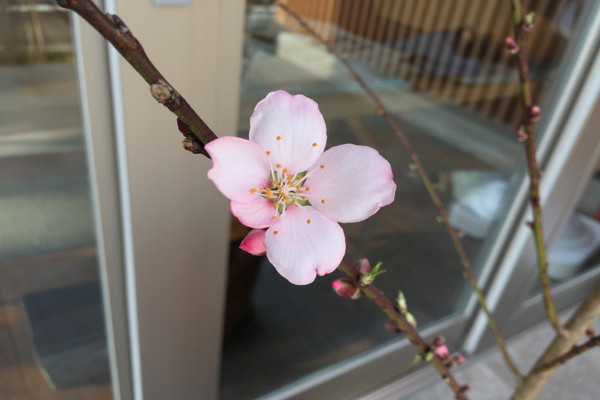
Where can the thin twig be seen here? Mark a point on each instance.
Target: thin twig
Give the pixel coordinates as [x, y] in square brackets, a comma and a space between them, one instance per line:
[112, 28]
[377, 297]
[575, 351]
[417, 166]
[530, 114]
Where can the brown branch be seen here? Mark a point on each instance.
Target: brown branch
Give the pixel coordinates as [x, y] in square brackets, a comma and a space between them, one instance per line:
[584, 317]
[417, 166]
[575, 351]
[377, 297]
[530, 114]
[112, 28]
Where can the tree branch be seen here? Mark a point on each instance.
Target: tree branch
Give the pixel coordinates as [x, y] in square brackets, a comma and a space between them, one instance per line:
[584, 317]
[575, 351]
[377, 297]
[114, 30]
[417, 166]
[530, 114]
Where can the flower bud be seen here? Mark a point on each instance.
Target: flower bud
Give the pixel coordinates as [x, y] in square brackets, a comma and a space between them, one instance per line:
[411, 319]
[535, 112]
[522, 135]
[443, 353]
[345, 288]
[183, 128]
[392, 326]
[459, 360]
[401, 302]
[511, 46]
[364, 266]
[254, 242]
[590, 332]
[438, 341]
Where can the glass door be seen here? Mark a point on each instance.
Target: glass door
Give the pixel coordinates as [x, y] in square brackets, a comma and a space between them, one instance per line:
[53, 335]
[442, 70]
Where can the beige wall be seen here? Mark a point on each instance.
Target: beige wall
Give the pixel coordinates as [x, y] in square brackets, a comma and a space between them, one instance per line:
[180, 223]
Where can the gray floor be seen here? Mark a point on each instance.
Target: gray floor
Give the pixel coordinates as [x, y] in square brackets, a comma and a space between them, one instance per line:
[489, 379]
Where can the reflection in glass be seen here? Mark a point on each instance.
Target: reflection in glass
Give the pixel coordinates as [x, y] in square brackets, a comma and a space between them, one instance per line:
[576, 248]
[52, 335]
[441, 69]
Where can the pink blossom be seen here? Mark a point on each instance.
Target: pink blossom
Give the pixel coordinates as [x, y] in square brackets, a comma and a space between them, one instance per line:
[254, 242]
[282, 179]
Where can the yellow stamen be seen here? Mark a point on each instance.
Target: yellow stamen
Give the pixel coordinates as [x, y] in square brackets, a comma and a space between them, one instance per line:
[275, 232]
[322, 166]
[314, 145]
[269, 193]
[308, 221]
[278, 137]
[322, 201]
[278, 165]
[273, 218]
[252, 191]
[268, 153]
[285, 171]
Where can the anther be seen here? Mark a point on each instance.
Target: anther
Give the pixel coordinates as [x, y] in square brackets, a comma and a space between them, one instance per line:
[285, 171]
[308, 221]
[322, 201]
[278, 137]
[307, 188]
[275, 232]
[273, 218]
[314, 144]
[278, 166]
[268, 153]
[322, 166]
[252, 191]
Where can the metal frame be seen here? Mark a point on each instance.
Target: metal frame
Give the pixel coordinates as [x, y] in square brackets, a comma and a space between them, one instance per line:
[94, 86]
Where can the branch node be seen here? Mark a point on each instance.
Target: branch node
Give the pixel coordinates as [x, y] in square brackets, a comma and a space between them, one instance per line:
[161, 92]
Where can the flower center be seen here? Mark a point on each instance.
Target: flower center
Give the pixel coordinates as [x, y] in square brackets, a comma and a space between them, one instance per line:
[285, 189]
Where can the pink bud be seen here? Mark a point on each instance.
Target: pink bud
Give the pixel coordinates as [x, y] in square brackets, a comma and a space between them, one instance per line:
[345, 288]
[442, 353]
[254, 242]
[535, 112]
[364, 266]
[511, 46]
[590, 332]
[438, 341]
[183, 128]
[459, 359]
[521, 135]
[392, 326]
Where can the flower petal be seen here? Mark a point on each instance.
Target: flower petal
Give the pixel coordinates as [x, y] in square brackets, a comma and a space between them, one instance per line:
[291, 128]
[238, 166]
[253, 210]
[349, 183]
[254, 242]
[303, 244]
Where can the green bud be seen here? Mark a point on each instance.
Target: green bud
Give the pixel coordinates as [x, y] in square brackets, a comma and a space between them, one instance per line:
[411, 319]
[416, 359]
[401, 302]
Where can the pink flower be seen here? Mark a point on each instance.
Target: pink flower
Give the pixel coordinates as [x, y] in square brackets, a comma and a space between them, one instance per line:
[283, 180]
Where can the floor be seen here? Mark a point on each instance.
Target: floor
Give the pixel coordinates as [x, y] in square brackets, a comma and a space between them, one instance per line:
[489, 379]
[46, 234]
